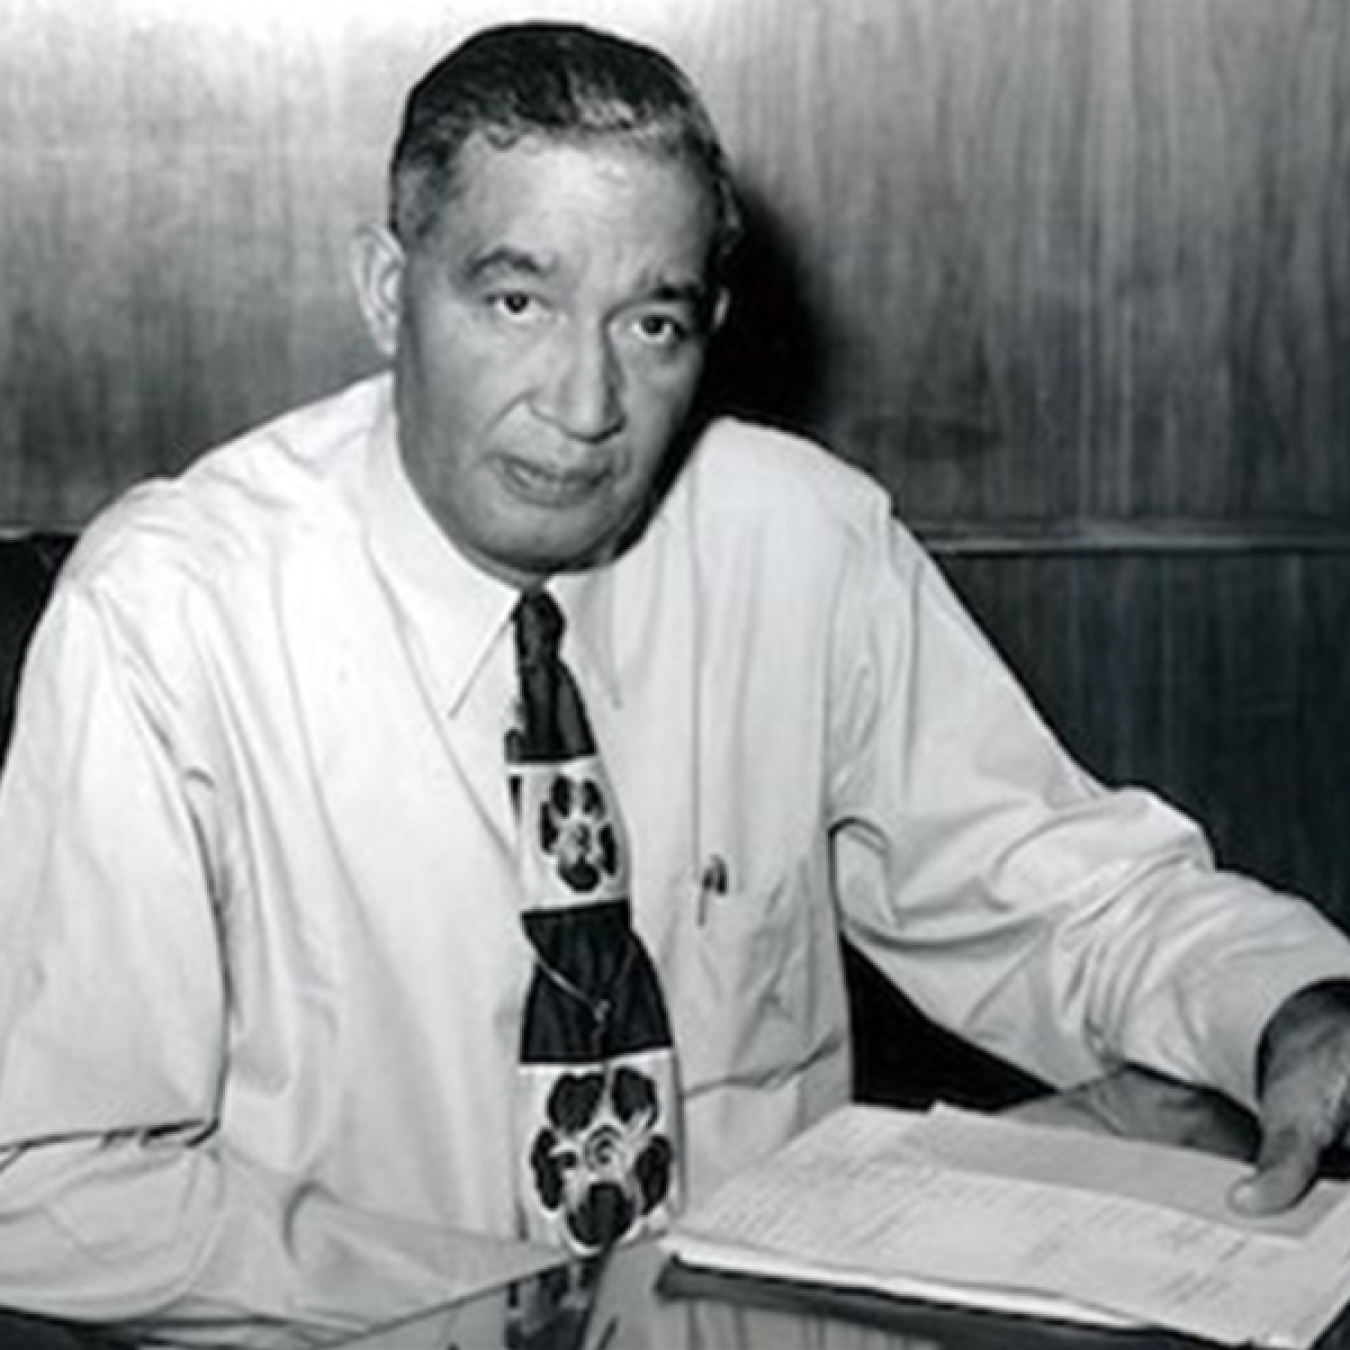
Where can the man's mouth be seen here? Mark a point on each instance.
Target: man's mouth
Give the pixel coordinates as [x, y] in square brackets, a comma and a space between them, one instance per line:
[544, 486]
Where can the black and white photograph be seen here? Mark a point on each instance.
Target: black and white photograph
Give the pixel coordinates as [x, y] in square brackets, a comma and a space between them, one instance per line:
[674, 674]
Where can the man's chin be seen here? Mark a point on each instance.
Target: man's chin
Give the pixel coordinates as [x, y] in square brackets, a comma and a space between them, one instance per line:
[554, 545]
[540, 558]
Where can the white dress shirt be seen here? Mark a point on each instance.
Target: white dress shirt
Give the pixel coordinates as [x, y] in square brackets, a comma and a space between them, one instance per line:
[261, 962]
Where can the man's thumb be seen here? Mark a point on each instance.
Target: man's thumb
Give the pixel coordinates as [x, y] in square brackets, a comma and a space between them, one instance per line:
[1285, 1170]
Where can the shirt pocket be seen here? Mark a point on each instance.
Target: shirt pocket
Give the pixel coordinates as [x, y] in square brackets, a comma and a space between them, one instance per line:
[739, 981]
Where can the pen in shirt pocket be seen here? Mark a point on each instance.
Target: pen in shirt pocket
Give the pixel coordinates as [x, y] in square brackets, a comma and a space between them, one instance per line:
[714, 879]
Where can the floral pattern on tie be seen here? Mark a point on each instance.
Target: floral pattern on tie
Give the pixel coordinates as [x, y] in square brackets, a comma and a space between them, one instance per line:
[577, 834]
[601, 1161]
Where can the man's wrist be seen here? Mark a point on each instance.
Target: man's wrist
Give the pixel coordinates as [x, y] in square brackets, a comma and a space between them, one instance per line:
[1303, 1008]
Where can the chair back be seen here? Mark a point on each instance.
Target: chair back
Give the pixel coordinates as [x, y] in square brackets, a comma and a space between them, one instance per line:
[28, 567]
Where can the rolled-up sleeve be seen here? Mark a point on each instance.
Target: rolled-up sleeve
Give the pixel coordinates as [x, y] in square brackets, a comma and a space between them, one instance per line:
[1063, 925]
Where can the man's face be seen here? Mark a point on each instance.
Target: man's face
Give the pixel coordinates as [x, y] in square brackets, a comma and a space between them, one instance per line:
[548, 336]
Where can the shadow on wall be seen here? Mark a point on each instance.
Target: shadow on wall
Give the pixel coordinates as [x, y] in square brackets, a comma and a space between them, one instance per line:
[767, 362]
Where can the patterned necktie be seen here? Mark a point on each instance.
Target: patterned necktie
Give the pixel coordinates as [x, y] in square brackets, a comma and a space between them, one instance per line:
[598, 1143]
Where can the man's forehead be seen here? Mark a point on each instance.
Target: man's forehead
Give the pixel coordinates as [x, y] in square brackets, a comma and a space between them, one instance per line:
[534, 162]
[555, 212]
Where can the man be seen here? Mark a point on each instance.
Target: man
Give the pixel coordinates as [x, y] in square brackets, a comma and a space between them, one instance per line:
[281, 961]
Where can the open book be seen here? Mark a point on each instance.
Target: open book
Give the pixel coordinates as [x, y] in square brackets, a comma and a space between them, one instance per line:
[956, 1207]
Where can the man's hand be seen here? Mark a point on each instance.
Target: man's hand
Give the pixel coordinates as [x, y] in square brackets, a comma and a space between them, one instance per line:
[1303, 1085]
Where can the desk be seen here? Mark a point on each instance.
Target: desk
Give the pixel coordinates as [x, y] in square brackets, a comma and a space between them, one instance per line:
[633, 1302]
[635, 1305]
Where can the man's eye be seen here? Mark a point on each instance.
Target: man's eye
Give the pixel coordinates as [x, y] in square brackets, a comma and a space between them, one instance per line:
[661, 330]
[515, 305]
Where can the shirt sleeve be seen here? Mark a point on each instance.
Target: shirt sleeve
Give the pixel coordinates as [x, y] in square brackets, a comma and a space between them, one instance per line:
[1063, 925]
[120, 1202]
[111, 994]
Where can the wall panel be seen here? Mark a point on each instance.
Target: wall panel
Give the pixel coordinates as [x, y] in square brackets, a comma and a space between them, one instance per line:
[1046, 260]
[1222, 680]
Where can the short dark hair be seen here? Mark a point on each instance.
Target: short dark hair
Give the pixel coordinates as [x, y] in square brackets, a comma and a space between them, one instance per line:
[563, 82]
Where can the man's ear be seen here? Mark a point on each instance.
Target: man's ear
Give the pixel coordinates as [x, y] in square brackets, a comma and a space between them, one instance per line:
[721, 303]
[378, 262]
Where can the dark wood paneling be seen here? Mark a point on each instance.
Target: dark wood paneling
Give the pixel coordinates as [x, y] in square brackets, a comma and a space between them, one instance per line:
[1223, 680]
[1068, 261]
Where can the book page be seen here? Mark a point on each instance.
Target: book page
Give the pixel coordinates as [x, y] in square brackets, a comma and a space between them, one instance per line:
[885, 1200]
[1174, 1178]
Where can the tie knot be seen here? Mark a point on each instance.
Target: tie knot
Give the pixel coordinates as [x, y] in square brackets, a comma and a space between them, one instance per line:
[539, 628]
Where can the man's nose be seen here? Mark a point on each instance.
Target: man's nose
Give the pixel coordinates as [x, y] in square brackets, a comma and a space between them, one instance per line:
[582, 392]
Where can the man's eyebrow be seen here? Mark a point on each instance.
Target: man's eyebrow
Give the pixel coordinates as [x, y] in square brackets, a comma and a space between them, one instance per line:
[503, 260]
[686, 292]
[506, 261]
[690, 291]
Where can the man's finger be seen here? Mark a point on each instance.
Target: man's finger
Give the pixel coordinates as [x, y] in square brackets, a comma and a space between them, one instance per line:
[1285, 1171]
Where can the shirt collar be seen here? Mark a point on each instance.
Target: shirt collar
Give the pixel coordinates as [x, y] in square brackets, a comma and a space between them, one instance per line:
[462, 608]
[455, 608]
